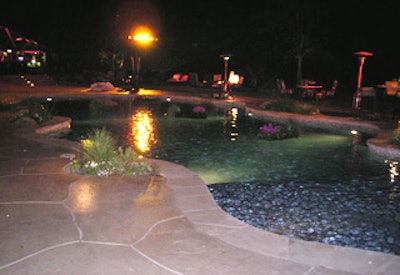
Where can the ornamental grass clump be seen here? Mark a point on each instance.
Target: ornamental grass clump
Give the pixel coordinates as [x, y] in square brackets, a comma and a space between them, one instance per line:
[101, 157]
[271, 132]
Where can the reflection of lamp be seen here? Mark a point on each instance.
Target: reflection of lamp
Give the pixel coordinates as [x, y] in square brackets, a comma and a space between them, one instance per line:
[234, 118]
[142, 131]
[225, 87]
[357, 95]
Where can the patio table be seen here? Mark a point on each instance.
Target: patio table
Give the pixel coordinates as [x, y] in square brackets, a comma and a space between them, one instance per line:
[309, 90]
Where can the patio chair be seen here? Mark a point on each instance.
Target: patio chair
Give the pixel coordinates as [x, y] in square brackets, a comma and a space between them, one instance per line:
[280, 83]
[368, 92]
[332, 91]
[392, 88]
[392, 96]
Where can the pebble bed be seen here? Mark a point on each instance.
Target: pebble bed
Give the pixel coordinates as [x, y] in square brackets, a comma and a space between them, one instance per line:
[360, 215]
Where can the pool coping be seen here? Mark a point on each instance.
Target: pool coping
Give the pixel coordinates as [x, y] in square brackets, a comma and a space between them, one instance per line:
[195, 201]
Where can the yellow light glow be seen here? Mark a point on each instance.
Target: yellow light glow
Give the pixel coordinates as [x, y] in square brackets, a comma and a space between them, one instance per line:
[148, 92]
[142, 131]
[234, 112]
[86, 143]
[144, 38]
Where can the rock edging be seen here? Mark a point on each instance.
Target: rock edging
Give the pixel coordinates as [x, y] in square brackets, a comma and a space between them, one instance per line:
[58, 123]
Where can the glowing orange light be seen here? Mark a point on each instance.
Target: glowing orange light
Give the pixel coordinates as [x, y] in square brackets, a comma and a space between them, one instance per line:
[142, 131]
[142, 36]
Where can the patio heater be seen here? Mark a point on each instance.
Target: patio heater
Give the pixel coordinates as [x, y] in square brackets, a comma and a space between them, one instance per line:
[141, 38]
[357, 95]
[225, 87]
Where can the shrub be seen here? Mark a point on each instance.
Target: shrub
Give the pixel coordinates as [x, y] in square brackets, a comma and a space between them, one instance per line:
[102, 158]
[395, 138]
[102, 106]
[40, 112]
[291, 106]
[271, 132]
[199, 110]
[99, 146]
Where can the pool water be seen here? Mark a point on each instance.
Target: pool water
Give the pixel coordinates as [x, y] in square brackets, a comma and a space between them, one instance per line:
[319, 187]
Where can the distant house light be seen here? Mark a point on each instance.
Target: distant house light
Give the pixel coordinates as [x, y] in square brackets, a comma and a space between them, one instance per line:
[233, 78]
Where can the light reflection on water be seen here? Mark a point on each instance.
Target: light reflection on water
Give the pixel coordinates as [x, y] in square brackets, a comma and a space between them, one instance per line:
[141, 131]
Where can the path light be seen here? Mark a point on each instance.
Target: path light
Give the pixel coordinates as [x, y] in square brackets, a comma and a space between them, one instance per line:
[225, 87]
[357, 95]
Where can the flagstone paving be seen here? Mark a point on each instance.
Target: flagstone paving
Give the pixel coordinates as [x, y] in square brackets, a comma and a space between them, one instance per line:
[55, 222]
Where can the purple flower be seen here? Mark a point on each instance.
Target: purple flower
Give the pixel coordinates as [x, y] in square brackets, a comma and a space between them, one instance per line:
[270, 129]
[199, 109]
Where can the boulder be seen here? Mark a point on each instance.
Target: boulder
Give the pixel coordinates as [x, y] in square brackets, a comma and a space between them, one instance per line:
[101, 87]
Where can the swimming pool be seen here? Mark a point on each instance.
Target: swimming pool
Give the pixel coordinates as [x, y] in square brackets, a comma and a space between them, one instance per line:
[319, 187]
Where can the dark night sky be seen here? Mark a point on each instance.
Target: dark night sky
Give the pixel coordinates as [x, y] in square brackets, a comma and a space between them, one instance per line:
[201, 28]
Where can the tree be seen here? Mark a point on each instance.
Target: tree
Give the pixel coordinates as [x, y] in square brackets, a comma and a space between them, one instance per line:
[302, 47]
[289, 29]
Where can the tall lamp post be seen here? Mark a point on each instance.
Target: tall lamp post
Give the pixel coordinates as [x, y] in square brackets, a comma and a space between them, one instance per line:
[141, 38]
[225, 87]
[357, 95]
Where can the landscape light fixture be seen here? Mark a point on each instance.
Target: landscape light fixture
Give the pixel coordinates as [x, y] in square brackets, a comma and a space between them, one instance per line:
[225, 87]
